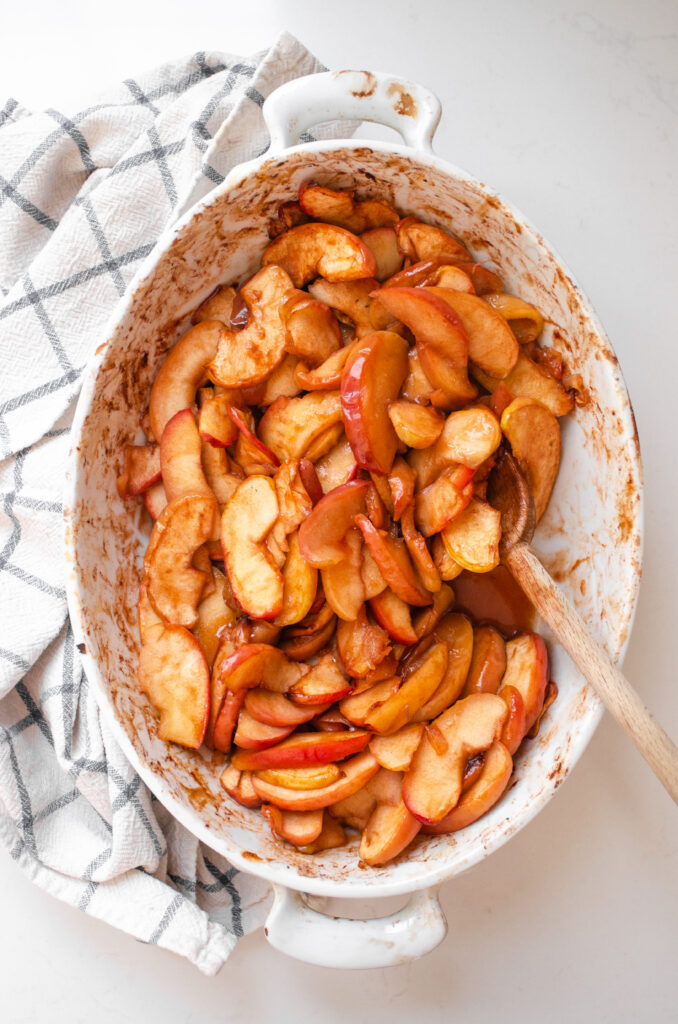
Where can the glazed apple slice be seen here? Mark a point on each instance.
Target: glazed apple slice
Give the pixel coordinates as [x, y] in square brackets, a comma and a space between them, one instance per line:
[290, 425]
[395, 752]
[337, 467]
[456, 632]
[488, 663]
[355, 810]
[332, 835]
[472, 538]
[393, 614]
[401, 481]
[371, 380]
[356, 773]
[358, 706]
[244, 423]
[384, 245]
[251, 734]
[141, 469]
[182, 373]
[527, 667]
[321, 535]
[528, 380]
[450, 276]
[534, 435]
[443, 500]
[445, 564]
[481, 796]
[300, 583]
[421, 241]
[226, 721]
[373, 582]
[351, 299]
[214, 615]
[469, 436]
[514, 727]
[432, 786]
[247, 357]
[394, 563]
[341, 207]
[174, 675]
[417, 426]
[275, 708]
[523, 318]
[222, 474]
[296, 827]
[155, 500]
[256, 583]
[312, 330]
[342, 583]
[414, 692]
[239, 786]
[320, 250]
[426, 620]
[180, 458]
[257, 664]
[327, 376]
[301, 648]
[324, 683]
[419, 553]
[303, 749]
[174, 585]
[361, 645]
[387, 833]
[214, 423]
[217, 306]
[491, 344]
[311, 777]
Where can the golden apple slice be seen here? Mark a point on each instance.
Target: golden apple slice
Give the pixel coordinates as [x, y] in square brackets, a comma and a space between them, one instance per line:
[394, 563]
[448, 276]
[356, 772]
[370, 381]
[255, 664]
[528, 380]
[361, 645]
[313, 777]
[419, 553]
[387, 833]
[221, 473]
[337, 467]
[414, 692]
[534, 435]
[444, 500]
[352, 299]
[395, 752]
[393, 614]
[324, 683]
[246, 357]
[173, 673]
[180, 458]
[469, 437]
[303, 749]
[312, 330]
[373, 582]
[421, 241]
[282, 383]
[324, 442]
[297, 827]
[320, 250]
[256, 583]
[301, 648]
[321, 535]
[417, 426]
[358, 706]
[472, 539]
[456, 632]
[384, 245]
[514, 727]
[327, 376]
[432, 786]
[401, 481]
[426, 620]
[342, 583]
[217, 306]
[213, 616]
[481, 796]
[155, 500]
[523, 318]
[527, 668]
[356, 809]
[290, 425]
[445, 564]
[340, 207]
[141, 469]
[174, 585]
[491, 343]
[182, 373]
[214, 423]
[416, 387]
[239, 786]
[332, 835]
[275, 709]
[488, 663]
[300, 583]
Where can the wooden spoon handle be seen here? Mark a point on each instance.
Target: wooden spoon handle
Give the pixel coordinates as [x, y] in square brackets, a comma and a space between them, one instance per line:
[612, 687]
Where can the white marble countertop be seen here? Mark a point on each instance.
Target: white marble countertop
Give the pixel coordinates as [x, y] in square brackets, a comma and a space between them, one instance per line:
[572, 112]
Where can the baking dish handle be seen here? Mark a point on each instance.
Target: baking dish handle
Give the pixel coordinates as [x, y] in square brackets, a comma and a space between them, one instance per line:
[306, 934]
[384, 99]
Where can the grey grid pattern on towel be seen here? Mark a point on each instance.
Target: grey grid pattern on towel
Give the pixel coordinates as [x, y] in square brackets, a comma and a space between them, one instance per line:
[82, 201]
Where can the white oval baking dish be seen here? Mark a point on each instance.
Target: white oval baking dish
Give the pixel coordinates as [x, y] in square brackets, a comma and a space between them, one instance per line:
[590, 537]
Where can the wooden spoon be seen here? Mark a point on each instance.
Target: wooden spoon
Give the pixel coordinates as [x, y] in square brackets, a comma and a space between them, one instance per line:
[509, 493]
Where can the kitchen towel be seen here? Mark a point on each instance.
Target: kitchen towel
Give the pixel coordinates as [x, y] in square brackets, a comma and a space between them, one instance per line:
[83, 198]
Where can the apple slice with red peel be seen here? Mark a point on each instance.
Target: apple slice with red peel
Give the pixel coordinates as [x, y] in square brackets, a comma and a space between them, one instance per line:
[373, 582]
[534, 435]
[488, 663]
[356, 772]
[275, 709]
[155, 500]
[342, 583]
[394, 563]
[420, 241]
[321, 535]
[472, 538]
[141, 469]
[214, 422]
[303, 749]
[213, 616]
[414, 692]
[318, 617]
[395, 752]
[442, 501]
[417, 426]
[337, 467]
[393, 614]
[528, 380]
[174, 675]
[370, 381]
[514, 727]
[180, 458]
[491, 343]
[340, 207]
[309, 478]
[226, 721]
[432, 786]
[320, 250]
[419, 553]
[327, 376]
[379, 504]
[258, 665]
[222, 475]
[527, 669]
[456, 632]
[313, 777]
[383, 243]
[174, 585]
[294, 500]
[387, 833]
[331, 721]
[312, 330]
[291, 425]
[244, 423]
[361, 645]
[296, 827]
[251, 734]
[182, 373]
[217, 306]
[481, 796]
[401, 481]
[239, 786]
[426, 620]
[323, 684]
[358, 706]
[256, 583]
[247, 357]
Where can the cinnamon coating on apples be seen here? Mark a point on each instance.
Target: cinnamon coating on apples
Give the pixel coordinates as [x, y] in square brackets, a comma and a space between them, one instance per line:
[318, 449]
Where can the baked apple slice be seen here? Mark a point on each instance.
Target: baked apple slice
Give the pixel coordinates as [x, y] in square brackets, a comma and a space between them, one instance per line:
[481, 796]
[174, 586]
[370, 381]
[491, 343]
[419, 552]
[417, 426]
[324, 683]
[419, 241]
[214, 423]
[356, 707]
[472, 539]
[253, 735]
[217, 306]
[296, 827]
[321, 536]
[527, 669]
[291, 425]
[239, 786]
[456, 632]
[275, 708]
[523, 318]
[214, 615]
[528, 380]
[343, 583]
[312, 330]
[327, 376]
[351, 299]
[300, 584]
[220, 733]
[488, 663]
[361, 645]
[320, 250]
[356, 773]
[337, 467]
[257, 664]
[394, 563]
[244, 423]
[534, 435]
[387, 833]
[514, 727]
[469, 436]
[393, 614]
[182, 372]
[256, 583]
[311, 777]
[384, 245]
[414, 692]
[181, 458]
[426, 620]
[141, 470]
[341, 207]
[247, 357]
[443, 500]
[303, 749]
[395, 752]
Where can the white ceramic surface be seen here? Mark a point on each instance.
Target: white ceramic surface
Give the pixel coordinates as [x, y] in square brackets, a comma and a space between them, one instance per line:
[590, 536]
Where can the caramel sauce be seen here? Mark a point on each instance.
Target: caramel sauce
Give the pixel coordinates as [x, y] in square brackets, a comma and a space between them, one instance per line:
[494, 599]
